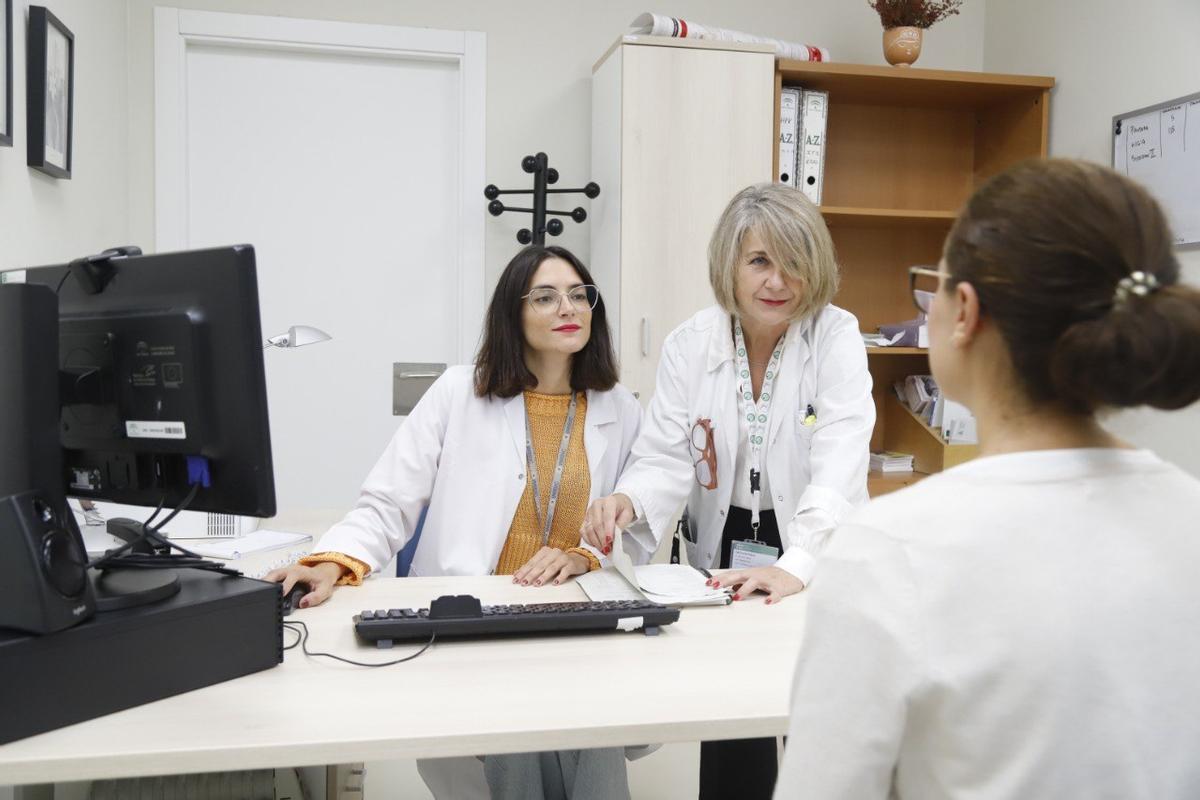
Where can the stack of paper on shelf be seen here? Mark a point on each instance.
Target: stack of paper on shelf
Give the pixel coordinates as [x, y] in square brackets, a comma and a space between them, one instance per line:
[953, 420]
[891, 461]
[919, 393]
[879, 340]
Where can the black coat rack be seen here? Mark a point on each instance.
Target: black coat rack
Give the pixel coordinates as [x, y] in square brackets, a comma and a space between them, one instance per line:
[543, 175]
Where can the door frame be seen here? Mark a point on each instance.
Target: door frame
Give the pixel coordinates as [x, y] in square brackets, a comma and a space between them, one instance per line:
[176, 29]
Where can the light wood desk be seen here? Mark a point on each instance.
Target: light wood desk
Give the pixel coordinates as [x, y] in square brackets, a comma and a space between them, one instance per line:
[716, 673]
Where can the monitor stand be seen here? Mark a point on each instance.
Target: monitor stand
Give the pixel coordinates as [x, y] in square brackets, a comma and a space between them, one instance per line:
[128, 588]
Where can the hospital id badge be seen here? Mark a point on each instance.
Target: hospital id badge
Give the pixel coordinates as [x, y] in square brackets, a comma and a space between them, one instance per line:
[748, 553]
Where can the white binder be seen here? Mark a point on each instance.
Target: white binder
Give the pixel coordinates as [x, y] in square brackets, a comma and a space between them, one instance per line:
[789, 134]
[812, 149]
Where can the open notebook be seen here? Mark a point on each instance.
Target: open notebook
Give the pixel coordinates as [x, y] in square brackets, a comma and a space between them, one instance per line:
[669, 584]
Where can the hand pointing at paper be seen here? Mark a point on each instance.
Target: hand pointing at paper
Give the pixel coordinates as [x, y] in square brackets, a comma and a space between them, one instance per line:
[604, 518]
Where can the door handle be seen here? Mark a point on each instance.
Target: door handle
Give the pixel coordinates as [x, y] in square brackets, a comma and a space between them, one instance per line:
[419, 375]
[645, 336]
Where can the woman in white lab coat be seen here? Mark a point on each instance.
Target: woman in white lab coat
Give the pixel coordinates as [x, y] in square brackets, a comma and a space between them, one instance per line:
[1023, 625]
[761, 420]
[481, 449]
[546, 343]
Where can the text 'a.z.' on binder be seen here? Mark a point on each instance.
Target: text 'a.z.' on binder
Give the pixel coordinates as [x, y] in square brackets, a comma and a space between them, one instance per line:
[667, 584]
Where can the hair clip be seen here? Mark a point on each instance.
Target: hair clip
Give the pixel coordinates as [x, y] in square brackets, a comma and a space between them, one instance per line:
[1137, 282]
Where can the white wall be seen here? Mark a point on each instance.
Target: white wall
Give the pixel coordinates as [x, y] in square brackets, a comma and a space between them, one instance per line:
[540, 56]
[1108, 57]
[45, 220]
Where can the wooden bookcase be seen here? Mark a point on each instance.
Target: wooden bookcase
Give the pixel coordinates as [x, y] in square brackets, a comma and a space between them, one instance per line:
[904, 150]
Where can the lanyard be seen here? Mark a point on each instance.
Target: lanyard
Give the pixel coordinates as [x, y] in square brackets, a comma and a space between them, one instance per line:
[558, 470]
[755, 413]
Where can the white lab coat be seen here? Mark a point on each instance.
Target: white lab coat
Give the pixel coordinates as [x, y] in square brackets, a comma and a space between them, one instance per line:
[464, 457]
[817, 473]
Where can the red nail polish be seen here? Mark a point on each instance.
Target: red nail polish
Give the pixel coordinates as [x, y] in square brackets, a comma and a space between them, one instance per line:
[556, 581]
[737, 597]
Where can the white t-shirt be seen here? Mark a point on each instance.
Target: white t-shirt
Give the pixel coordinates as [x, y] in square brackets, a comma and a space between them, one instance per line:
[1021, 626]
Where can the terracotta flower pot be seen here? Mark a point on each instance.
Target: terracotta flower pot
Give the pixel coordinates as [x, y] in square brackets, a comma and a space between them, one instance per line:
[901, 46]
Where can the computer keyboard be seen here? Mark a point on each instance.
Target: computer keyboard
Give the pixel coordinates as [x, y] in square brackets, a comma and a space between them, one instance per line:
[463, 615]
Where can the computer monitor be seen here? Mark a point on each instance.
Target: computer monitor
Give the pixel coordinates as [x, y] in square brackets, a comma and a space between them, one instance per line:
[161, 380]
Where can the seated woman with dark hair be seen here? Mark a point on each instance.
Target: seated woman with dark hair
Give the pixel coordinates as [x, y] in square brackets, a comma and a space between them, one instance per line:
[481, 448]
[1024, 625]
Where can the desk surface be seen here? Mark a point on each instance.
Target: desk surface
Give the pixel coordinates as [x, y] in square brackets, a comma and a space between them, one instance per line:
[459, 698]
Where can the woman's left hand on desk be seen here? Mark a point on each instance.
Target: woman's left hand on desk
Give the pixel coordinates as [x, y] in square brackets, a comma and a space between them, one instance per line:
[550, 565]
[776, 582]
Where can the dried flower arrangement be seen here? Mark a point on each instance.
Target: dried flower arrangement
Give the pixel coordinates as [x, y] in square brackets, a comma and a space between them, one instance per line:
[913, 13]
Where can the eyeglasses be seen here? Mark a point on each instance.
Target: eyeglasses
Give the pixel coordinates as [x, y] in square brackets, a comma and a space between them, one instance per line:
[923, 283]
[706, 465]
[546, 300]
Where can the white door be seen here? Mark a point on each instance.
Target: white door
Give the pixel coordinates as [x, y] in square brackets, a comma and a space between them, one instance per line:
[351, 157]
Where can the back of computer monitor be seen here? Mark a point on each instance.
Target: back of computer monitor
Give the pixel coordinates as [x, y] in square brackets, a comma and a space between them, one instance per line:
[162, 383]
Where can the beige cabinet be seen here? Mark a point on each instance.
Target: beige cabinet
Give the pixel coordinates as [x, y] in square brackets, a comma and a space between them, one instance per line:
[677, 128]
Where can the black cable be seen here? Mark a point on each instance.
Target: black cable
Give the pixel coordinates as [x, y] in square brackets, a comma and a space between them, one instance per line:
[66, 274]
[112, 555]
[303, 642]
[292, 646]
[120, 557]
[162, 499]
[162, 561]
[187, 501]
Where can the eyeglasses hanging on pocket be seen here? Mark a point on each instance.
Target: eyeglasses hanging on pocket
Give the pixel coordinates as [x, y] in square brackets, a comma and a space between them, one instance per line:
[706, 464]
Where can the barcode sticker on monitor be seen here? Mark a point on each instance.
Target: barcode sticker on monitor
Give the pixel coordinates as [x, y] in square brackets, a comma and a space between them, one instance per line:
[155, 430]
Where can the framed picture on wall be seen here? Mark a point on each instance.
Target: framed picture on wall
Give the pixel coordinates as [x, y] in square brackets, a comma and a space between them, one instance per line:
[50, 100]
[6, 122]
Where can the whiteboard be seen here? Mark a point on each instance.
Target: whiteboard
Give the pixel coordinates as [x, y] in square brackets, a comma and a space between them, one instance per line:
[1159, 147]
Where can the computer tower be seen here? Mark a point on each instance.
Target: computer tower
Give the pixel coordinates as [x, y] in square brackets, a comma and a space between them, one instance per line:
[216, 628]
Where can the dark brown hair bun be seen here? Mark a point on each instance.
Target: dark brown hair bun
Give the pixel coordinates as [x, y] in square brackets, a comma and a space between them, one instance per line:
[1076, 265]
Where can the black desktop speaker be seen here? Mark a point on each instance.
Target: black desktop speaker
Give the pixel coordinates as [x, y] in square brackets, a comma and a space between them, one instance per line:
[44, 585]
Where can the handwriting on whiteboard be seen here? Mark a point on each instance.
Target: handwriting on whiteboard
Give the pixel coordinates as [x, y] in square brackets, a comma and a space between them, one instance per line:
[1160, 148]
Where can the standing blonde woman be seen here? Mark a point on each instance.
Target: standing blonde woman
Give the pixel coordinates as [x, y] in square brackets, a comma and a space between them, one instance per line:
[761, 420]
[1024, 625]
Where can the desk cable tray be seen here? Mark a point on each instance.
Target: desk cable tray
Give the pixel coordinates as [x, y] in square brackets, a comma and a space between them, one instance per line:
[453, 616]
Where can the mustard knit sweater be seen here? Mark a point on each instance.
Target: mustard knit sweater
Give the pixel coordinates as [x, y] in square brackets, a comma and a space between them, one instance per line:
[547, 416]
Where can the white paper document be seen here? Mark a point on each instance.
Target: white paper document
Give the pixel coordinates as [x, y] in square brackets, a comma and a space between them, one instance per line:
[607, 584]
[668, 584]
[257, 542]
